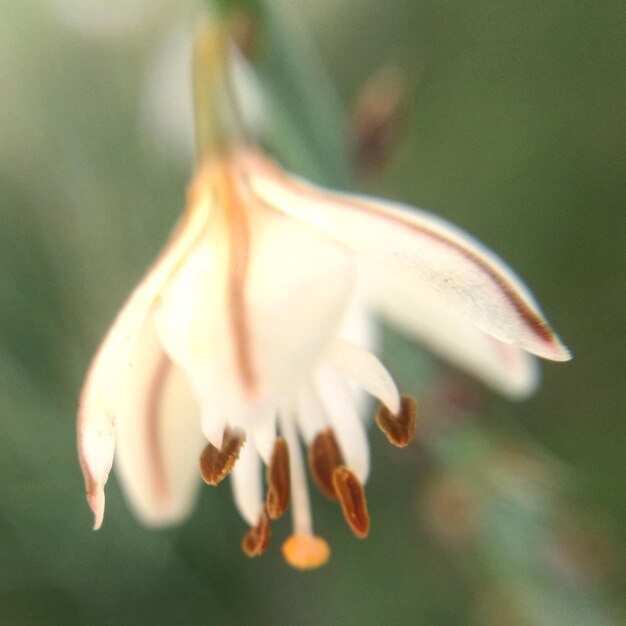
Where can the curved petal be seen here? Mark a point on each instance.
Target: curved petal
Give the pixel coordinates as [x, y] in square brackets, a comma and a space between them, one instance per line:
[251, 312]
[109, 368]
[158, 438]
[432, 255]
[505, 367]
[366, 370]
[301, 283]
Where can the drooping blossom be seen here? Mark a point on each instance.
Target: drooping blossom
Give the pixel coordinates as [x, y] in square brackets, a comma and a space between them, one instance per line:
[247, 338]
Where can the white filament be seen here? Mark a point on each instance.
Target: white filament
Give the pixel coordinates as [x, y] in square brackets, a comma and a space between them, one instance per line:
[300, 502]
[213, 424]
[263, 431]
[246, 482]
[366, 370]
[310, 414]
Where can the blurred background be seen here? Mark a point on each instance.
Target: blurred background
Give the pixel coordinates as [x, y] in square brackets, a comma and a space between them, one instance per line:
[505, 117]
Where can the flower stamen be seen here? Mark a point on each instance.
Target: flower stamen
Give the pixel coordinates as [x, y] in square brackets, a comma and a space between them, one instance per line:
[300, 503]
[302, 550]
[277, 476]
[324, 458]
[256, 540]
[216, 463]
[399, 428]
[351, 496]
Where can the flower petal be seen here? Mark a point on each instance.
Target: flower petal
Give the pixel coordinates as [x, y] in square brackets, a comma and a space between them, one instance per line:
[505, 367]
[244, 353]
[110, 366]
[300, 285]
[435, 257]
[158, 438]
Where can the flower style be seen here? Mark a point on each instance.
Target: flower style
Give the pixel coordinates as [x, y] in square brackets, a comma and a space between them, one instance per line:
[249, 334]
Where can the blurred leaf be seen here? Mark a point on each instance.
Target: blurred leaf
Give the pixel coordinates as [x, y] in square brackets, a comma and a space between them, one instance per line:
[308, 128]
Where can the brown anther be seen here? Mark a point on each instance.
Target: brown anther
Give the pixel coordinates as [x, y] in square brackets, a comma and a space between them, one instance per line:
[256, 540]
[277, 477]
[399, 429]
[215, 464]
[305, 551]
[351, 495]
[324, 458]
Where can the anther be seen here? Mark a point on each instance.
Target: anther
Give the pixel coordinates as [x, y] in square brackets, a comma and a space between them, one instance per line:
[305, 551]
[216, 464]
[256, 540]
[351, 495]
[400, 428]
[278, 480]
[324, 458]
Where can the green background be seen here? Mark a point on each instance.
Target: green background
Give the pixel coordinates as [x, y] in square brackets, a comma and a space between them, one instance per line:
[501, 513]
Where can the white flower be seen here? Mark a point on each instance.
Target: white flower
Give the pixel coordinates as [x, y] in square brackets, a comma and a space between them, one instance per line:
[238, 343]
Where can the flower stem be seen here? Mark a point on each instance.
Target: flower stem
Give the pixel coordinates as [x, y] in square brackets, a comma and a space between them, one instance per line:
[210, 75]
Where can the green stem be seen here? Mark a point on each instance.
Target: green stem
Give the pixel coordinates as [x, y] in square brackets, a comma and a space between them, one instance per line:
[210, 77]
